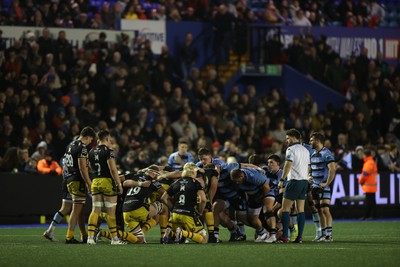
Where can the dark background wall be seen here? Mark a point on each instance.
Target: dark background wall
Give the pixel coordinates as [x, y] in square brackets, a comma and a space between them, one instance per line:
[24, 198]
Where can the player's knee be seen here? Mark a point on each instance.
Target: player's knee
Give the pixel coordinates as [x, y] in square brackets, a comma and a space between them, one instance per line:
[325, 207]
[158, 206]
[318, 206]
[268, 215]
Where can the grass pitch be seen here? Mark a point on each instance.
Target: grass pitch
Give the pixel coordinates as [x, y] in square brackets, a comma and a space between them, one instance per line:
[355, 244]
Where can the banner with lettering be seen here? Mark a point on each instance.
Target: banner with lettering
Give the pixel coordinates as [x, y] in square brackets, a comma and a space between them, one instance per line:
[155, 31]
[346, 41]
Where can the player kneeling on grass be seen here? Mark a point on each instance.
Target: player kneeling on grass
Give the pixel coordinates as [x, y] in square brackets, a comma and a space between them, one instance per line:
[181, 198]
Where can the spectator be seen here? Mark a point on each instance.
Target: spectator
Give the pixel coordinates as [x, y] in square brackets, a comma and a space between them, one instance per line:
[222, 25]
[188, 55]
[369, 184]
[301, 20]
[49, 166]
[40, 151]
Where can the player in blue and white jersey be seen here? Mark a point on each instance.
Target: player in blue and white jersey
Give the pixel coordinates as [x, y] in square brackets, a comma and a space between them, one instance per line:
[205, 158]
[273, 173]
[323, 170]
[311, 204]
[228, 195]
[255, 184]
[179, 158]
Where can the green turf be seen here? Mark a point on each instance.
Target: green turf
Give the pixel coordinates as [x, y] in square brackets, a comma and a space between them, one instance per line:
[356, 244]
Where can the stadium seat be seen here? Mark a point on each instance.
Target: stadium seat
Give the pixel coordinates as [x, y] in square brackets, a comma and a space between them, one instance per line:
[384, 24]
[393, 24]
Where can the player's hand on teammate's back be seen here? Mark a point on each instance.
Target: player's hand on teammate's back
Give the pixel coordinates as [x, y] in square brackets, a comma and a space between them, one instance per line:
[146, 183]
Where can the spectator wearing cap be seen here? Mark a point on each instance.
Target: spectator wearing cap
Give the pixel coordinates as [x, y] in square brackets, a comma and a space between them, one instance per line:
[49, 166]
[357, 159]
[40, 151]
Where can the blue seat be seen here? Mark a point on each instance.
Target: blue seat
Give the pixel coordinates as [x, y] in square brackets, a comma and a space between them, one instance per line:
[384, 24]
[393, 24]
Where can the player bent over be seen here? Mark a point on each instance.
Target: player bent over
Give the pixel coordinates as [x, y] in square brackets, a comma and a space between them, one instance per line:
[138, 214]
[181, 199]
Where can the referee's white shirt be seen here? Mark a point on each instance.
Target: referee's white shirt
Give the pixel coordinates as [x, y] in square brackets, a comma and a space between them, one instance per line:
[300, 158]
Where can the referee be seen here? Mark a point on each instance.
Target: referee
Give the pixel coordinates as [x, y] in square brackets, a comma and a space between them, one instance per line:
[296, 171]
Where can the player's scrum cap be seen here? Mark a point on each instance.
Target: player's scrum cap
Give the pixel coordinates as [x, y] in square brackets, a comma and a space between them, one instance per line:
[190, 166]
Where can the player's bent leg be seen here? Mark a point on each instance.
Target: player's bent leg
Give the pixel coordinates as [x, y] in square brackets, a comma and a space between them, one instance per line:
[199, 237]
[131, 238]
[163, 221]
[147, 225]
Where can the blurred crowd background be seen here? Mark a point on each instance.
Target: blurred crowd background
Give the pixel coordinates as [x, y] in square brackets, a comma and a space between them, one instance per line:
[50, 90]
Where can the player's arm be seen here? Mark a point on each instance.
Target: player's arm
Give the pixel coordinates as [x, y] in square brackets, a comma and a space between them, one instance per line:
[133, 183]
[213, 188]
[203, 200]
[331, 174]
[114, 173]
[83, 169]
[252, 166]
[160, 167]
[170, 175]
[265, 189]
[166, 199]
[285, 172]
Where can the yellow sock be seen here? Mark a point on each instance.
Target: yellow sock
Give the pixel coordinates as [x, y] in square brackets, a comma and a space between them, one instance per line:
[148, 225]
[163, 220]
[105, 234]
[193, 236]
[209, 218]
[128, 236]
[92, 223]
[112, 225]
[70, 234]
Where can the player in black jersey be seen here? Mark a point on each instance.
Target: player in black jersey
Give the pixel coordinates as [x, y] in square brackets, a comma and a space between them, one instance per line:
[78, 180]
[209, 181]
[181, 198]
[105, 187]
[138, 213]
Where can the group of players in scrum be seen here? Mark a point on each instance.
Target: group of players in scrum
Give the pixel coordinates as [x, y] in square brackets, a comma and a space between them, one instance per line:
[183, 196]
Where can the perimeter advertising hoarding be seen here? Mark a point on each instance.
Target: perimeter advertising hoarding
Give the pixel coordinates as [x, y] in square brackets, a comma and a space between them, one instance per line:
[23, 195]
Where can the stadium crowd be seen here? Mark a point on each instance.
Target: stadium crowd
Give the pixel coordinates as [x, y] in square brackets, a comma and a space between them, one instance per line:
[50, 90]
[107, 14]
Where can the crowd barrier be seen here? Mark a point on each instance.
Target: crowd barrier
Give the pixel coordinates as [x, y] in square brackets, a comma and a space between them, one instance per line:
[25, 198]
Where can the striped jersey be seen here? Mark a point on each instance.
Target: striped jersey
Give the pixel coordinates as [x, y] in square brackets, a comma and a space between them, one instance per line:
[319, 165]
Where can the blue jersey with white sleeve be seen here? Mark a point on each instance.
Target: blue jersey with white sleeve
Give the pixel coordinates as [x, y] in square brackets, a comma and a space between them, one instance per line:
[319, 165]
[175, 166]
